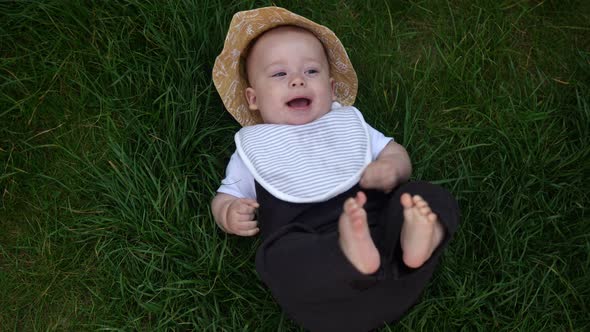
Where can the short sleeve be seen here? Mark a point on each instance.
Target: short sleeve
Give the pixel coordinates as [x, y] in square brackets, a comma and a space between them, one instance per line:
[238, 181]
[378, 141]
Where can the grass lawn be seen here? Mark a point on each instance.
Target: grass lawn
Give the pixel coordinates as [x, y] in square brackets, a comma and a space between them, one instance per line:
[113, 141]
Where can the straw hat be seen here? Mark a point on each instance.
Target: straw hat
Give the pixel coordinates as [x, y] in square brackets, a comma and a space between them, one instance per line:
[245, 26]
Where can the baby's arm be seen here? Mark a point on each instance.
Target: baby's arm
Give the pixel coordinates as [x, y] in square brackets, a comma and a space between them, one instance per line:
[235, 215]
[391, 168]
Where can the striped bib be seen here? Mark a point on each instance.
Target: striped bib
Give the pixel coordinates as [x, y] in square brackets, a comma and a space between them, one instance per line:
[307, 163]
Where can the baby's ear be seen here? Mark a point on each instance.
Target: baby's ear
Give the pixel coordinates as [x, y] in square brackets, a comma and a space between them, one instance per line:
[333, 85]
[250, 94]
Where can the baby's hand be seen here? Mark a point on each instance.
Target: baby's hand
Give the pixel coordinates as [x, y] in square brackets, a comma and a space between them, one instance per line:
[240, 217]
[381, 174]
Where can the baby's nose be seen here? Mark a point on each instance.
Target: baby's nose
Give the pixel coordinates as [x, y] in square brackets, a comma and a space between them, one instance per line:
[298, 81]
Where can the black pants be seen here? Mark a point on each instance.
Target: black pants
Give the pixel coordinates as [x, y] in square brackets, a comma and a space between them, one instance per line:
[301, 262]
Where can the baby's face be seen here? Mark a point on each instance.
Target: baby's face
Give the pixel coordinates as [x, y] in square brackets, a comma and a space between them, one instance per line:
[289, 77]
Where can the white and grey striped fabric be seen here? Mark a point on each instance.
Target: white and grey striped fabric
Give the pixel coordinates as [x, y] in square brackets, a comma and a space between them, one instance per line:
[307, 163]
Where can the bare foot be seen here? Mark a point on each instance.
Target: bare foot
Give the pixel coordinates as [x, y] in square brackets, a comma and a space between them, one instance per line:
[355, 238]
[421, 231]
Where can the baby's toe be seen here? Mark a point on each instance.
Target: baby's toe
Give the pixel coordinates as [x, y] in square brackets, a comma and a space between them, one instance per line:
[417, 199]
[358, 214]
[350, 205]
[406, 201]
[361, 198]
[349, 202]
[431, 217]
[425, 210]
[421, 203]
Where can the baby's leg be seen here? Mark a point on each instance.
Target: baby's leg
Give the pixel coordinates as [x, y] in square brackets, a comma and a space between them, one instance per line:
[355, 237]
[421, 231]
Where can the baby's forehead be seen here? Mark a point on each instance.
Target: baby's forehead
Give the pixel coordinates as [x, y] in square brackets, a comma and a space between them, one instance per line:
[277, 33]
[286, 29]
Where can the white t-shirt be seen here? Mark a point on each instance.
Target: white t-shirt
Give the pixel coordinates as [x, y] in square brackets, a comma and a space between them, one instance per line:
[239, 182]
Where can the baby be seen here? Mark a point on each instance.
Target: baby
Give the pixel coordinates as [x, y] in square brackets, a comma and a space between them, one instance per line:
[290, 85]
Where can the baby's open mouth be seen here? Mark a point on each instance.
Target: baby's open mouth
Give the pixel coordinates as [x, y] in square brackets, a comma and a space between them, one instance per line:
[299, 103]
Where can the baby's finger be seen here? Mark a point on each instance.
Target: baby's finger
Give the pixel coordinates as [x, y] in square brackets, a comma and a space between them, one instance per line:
[243, 217]
[245, 209]
[250, 202]
[246, 225]
[249, 232]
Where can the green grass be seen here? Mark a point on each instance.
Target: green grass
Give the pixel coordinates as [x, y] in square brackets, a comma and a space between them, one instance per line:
[113, 140]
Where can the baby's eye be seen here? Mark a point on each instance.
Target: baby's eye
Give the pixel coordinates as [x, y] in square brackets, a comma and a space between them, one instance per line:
[312, 71]
[279, 74]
